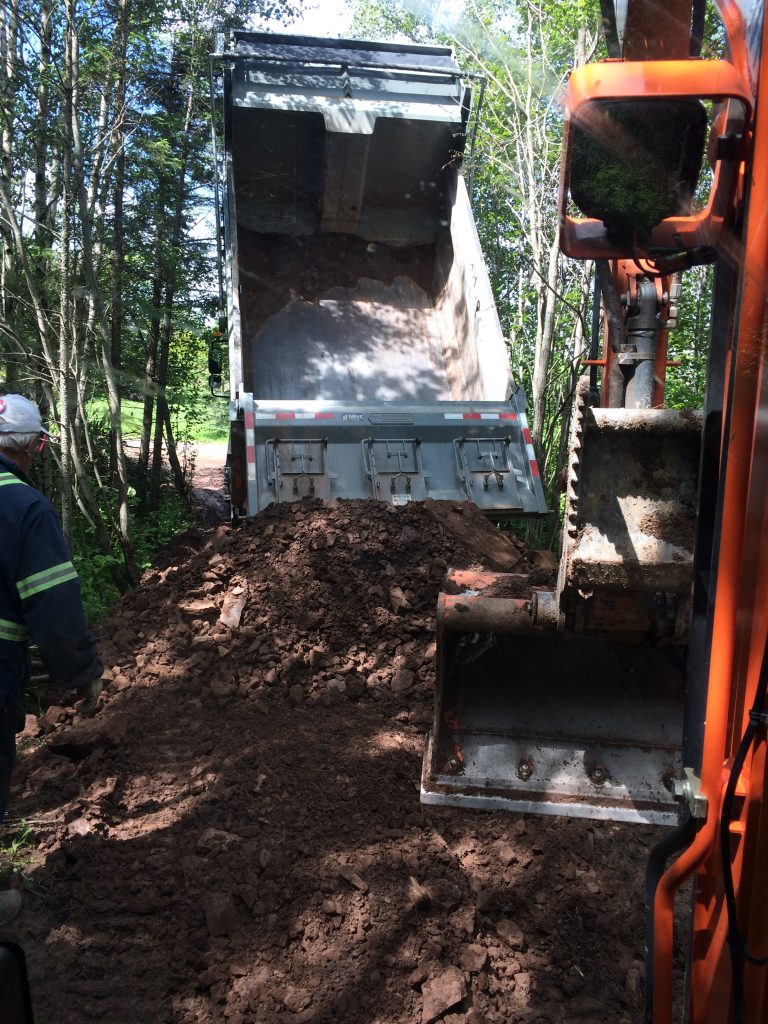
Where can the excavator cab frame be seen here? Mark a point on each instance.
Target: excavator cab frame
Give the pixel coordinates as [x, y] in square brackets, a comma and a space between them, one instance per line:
[721, 840]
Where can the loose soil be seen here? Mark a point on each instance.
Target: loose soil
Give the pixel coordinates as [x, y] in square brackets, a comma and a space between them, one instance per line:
[236, 836]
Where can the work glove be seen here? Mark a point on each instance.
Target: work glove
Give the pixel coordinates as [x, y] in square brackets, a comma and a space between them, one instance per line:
[88, 697]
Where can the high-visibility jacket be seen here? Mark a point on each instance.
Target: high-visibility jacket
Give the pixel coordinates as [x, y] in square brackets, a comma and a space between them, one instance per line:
[39, 592]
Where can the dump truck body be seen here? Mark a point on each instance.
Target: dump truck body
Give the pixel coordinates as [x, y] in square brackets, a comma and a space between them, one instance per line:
[365, 352]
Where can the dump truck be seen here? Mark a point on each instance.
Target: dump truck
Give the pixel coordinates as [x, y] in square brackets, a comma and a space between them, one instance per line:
[366, 357]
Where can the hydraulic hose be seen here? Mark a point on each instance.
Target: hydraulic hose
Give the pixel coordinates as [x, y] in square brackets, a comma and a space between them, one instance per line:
[671, 844]
[736, 942]
[594, 339]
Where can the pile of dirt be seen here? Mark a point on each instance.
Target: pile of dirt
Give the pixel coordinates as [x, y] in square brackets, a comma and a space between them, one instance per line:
[306, 601]
[237, 835]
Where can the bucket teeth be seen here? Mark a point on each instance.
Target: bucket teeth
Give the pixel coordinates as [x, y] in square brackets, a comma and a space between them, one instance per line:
[580, 403]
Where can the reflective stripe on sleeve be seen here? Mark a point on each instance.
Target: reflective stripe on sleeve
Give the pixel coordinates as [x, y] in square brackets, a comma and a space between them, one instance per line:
[12, 631]
[46, 579]
[8, 478]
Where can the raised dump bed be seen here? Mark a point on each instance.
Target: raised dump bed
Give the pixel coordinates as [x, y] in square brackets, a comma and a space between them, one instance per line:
[365, 351]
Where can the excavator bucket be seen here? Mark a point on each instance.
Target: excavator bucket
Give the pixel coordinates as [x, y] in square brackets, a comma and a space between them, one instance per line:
[570, 700]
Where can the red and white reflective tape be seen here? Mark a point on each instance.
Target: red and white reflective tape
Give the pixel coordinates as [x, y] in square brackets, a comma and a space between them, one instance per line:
[250, 450]
[529, 445]
[293, 416]
[480, 416]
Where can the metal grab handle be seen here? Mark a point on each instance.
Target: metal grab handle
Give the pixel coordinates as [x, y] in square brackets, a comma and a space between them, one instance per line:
[272, 458]
[397, 476]
[303, 476]
[497, 476]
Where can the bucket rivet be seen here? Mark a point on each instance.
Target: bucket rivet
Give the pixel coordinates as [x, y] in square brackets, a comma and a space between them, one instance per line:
[524, 769]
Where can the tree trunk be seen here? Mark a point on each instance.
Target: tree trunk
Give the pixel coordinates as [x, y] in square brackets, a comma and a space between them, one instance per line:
[162, 418]
[9, 27]
[543, 354]
[118, 234]
[65, 298]
[150, 370]
[110, 377]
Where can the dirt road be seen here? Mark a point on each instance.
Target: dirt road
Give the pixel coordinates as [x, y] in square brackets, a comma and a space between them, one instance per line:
[210, 500]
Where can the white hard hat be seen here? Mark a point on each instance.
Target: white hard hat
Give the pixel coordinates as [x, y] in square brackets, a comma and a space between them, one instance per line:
[20, 416]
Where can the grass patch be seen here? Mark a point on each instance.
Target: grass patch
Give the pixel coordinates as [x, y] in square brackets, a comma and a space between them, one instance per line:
[16, 849]
[209, 421]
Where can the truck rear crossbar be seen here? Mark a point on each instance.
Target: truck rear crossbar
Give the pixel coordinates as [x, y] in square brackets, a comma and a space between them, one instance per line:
[409, 453]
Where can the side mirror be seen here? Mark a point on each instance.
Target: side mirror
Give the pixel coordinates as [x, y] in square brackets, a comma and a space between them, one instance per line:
[634, 144]
[214, 366]
[15, 996]
[634, 163]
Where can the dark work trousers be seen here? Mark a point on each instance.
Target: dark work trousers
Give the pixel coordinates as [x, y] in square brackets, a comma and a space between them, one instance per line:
[11, 722]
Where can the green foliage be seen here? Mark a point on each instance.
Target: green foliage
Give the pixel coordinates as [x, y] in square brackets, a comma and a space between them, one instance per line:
[199, 418]
[151, 532]
[131, 412]
[152, 528]
[689, 341]
[380, 19]
[16, 847]
[197, 414]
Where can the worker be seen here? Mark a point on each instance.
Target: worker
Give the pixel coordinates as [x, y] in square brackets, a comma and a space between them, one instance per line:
[39, 595]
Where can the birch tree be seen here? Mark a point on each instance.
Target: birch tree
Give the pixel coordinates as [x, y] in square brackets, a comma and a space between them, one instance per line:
[83, 145]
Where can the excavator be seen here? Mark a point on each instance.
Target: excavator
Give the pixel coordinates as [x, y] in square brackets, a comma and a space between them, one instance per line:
[636, 688]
